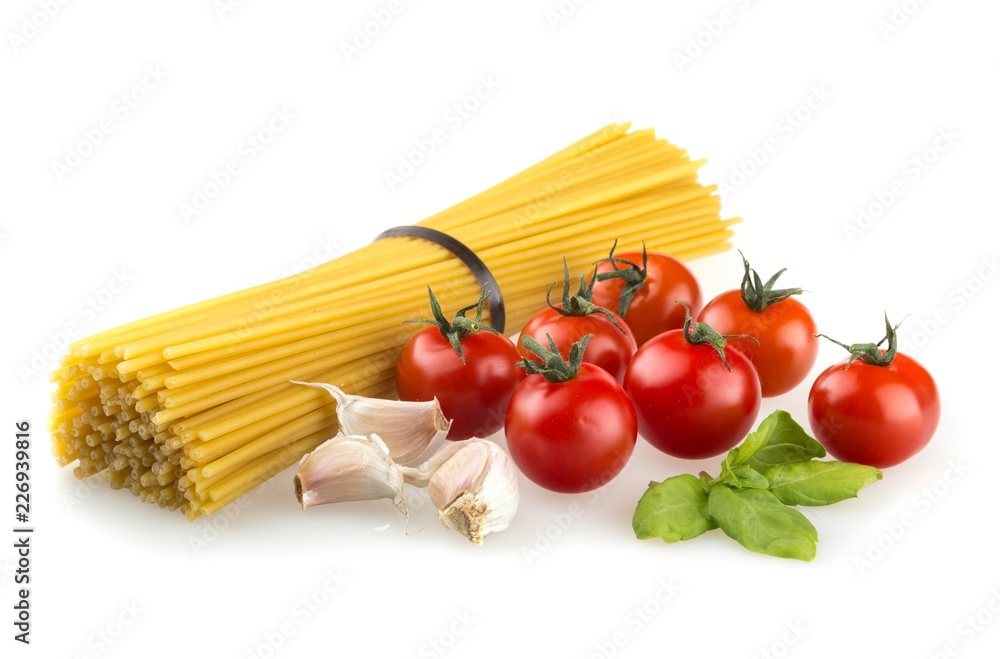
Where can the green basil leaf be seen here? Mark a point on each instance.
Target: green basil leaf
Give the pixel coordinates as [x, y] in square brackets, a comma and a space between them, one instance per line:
[753, 442]
[742, 476]
[676, 509]
[819, 483]
[760, 522]
[745, 476]
[778, 440]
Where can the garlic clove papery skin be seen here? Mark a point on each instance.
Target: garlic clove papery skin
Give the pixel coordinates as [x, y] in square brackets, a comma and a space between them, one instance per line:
[349, 468]
[476, 490]
[413, 431]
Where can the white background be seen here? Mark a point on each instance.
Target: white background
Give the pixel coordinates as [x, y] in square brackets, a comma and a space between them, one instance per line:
[567, 579]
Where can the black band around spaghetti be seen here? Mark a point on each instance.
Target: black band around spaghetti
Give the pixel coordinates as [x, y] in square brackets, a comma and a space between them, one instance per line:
[498, 314]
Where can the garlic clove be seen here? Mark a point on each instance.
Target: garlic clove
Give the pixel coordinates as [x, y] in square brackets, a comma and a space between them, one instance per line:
[475, 490]
[461, 473]
[413, 431]
[349, 468]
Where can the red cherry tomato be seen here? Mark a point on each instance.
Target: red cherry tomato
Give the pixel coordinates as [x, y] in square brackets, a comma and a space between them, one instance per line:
[689, 405]
[652, 309]
[874, 415]
[473, 393]
[786, 333]
[611, 347]
[786, 345]
[571, 436]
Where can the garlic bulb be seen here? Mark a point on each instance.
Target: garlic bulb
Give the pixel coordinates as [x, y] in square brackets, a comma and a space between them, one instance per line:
[349, 468]
[474, 485]
[412, 431]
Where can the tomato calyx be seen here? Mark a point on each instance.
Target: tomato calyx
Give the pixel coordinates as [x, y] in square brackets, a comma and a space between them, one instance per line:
[580, 304]
[634, 276]
[705, 334]
[553, 367]
[759, 295]
[460, 327]
[872, 353]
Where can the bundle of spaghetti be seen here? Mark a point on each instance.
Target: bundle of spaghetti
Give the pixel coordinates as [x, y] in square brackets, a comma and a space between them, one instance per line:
[192, 408]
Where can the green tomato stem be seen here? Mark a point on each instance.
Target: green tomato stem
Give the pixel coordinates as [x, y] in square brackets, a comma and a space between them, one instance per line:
[460, 327]
[580, 304]
[758, 295]
[870, 353]
[554, 368]
[705, 334]
[634, 277]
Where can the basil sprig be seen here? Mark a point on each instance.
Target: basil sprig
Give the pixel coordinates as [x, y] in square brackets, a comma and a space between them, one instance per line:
[752, 498]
